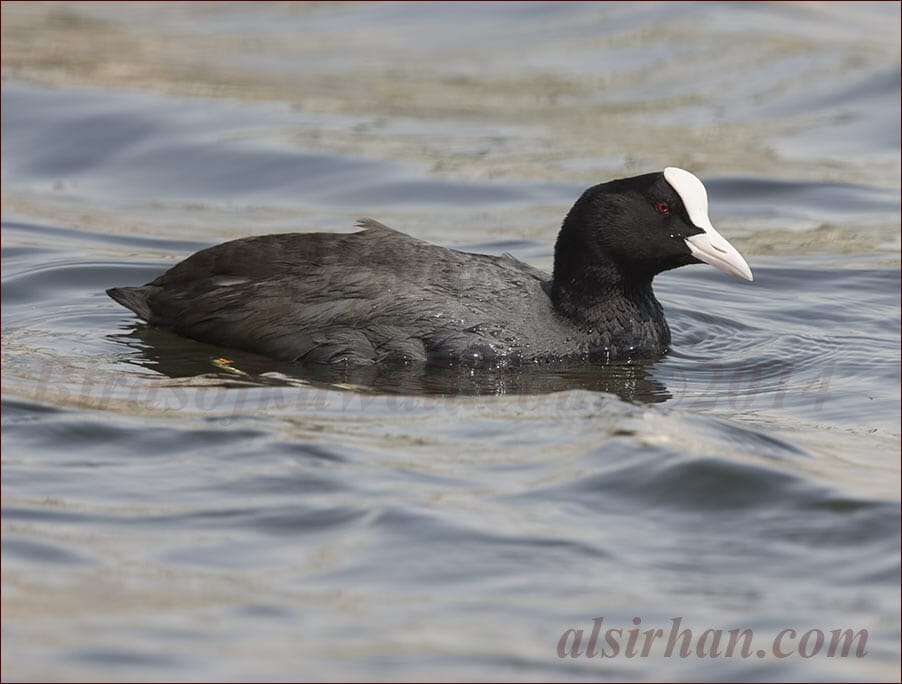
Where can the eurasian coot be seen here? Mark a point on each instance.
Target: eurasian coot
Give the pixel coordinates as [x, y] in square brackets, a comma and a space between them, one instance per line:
[380, 296]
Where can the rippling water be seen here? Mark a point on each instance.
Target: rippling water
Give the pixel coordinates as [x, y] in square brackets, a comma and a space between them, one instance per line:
[169, 515]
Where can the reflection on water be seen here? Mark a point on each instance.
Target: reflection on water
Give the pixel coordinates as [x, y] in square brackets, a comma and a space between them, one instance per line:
[175, 357]
[174, 510]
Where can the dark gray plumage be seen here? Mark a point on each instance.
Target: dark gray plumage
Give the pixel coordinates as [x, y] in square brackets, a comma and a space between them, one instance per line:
[380, 296]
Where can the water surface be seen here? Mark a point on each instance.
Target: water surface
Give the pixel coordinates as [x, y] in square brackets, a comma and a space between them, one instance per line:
[168, 514]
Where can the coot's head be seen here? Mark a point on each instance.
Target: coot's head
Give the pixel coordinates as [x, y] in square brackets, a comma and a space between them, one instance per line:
[631, 229]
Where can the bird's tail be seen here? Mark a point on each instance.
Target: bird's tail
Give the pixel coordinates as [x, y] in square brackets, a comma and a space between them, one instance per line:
[134, 298]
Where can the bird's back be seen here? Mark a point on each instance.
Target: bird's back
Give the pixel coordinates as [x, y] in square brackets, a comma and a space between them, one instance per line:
[364, 297]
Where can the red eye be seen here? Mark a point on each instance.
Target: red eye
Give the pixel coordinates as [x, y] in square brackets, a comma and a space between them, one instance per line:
[662, 208]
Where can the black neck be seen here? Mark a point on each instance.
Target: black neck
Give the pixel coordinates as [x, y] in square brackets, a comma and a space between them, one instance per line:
[613, 305]
[590, 296]
[585, 278]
